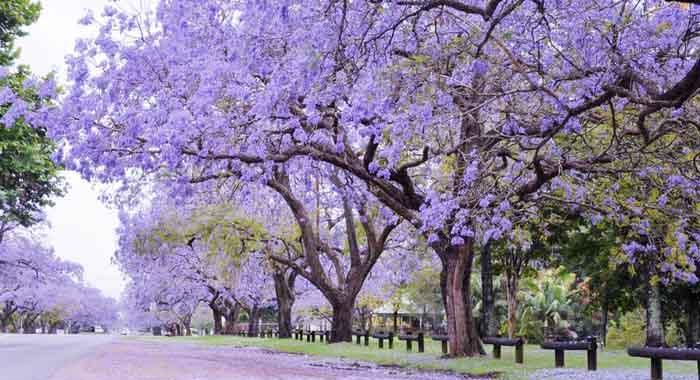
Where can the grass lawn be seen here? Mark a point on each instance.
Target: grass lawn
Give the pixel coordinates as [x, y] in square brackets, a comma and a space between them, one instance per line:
[535, 358]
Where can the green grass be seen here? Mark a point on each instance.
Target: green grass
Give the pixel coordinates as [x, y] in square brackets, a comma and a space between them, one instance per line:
[535, 358]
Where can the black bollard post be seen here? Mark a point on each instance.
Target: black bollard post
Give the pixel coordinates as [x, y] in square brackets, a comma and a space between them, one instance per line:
[657, 371]
[592, 354]
[496, 351]
[519, 353]
[421, 342]
[559, 358]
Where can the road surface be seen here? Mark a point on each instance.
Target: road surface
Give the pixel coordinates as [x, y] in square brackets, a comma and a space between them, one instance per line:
[38, 357]
[99, 357]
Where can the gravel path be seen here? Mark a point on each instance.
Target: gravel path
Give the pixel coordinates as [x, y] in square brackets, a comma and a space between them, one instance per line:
[606, 374]
[136, 360]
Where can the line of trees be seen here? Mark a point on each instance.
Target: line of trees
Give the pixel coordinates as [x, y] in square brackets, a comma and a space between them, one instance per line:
[357, 124]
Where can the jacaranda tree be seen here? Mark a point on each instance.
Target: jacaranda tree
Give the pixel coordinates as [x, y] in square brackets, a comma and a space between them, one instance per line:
[458, 117]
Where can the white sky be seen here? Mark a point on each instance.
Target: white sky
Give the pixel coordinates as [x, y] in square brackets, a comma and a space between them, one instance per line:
[82, 228]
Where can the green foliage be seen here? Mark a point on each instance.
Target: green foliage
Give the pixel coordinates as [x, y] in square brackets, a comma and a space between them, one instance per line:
[628, 331]
[28, 176]
[673, 335]
[14, 16]
[548, 298]
[424, 289]
[229, 236]
[592, 252]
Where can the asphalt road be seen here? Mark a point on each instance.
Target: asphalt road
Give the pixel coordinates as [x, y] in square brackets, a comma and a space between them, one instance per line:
[100, 357]
[37, 357]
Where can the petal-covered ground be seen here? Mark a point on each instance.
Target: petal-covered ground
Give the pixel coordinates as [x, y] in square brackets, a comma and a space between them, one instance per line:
[606, 374]
[136, 360]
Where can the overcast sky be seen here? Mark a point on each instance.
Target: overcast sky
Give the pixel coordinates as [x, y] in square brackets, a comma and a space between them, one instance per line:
[82, 228]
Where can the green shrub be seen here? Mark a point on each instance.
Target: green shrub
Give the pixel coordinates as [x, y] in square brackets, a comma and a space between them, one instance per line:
[674, 336]
[628, 331]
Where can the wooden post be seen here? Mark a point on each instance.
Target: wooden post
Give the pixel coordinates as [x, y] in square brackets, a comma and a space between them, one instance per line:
[313, 337]
[496, 351]
[381, 342]
[421, 342]
[366, 338]
[559, 358]
[409, 345]
[308, 337]
[357, 339]
[444, 347]
[519, 353]
[657, 371]
[592, 354]
[391, 341]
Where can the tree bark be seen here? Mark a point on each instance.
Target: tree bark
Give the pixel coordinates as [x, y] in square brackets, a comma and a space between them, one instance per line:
[233, 310]
[461, 329]
[284, 289]
[512, 299]
[28, 325]
[655, 328]
[6, 315]
[341, 325]
[253, 321]
[489, 322]
[217, 315]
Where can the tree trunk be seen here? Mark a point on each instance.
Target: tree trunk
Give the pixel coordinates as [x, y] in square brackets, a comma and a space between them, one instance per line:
[233, 310]
[693, 312]
[6, 315]
[461, 329]
[253, 321]
[341, 326]
[489, 323]
[187, 324]
[284, 289]
[217, 315]
[28, 325]
[512, 299]
[655, 328]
